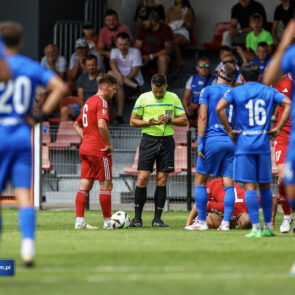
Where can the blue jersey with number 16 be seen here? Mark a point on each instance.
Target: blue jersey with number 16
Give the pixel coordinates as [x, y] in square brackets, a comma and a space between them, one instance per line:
[253, 105]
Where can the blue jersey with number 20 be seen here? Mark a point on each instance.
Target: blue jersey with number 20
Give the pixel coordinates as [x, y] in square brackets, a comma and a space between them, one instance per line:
[253, 105]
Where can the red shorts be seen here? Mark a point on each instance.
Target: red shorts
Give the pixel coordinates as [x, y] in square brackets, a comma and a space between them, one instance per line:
[281, 148]
[98, 168]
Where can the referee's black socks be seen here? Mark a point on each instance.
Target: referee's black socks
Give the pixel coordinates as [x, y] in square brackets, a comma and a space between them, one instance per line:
[160, 199]
[139, 200]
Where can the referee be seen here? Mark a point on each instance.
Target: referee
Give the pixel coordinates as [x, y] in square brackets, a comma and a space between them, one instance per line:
[155, 112]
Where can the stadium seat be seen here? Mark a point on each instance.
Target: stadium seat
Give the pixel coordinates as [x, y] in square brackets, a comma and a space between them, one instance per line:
[133, 169]
[46, 163]
[46, 138]
[220, 28]
[66, 101]
[66, 137]
[180, 135]
[180, 158]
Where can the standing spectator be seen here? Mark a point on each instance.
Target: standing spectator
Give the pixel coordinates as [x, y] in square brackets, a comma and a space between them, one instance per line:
[194, 86]
[89, 35]
[155, 41]
[180, 18]
[263, 58]
[53, 61]
[86, 87]
[96, 151]
[283, 14]
[108, 34]
[258, 34]
[239, 24]
[125, 63]
[155, 112]
[15, 132]
[76, 67]
[253, 103]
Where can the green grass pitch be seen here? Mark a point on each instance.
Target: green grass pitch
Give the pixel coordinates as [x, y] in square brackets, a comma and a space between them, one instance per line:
[146, 261]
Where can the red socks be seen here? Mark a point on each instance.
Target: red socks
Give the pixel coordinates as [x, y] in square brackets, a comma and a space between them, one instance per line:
[105, 203]
[284, 199]
[81, 202]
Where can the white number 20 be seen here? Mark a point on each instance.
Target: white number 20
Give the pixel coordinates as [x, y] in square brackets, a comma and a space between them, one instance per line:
[20, 90]
[257, 114]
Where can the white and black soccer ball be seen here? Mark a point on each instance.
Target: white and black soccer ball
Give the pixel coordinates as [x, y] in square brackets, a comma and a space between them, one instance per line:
[120, 220]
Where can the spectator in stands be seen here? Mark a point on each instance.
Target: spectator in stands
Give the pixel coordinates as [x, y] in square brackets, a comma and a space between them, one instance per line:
[223, 51]
[258, 34]
[125, 63]
[194, 86]
[76, 67]
[230, 58]
[141, 11]
[155, 41]
[180, 18]
[108, 34]
[89, 35]
[240, 18]
[86, 87]
[263, 58]
[282, 15]
[53, 61]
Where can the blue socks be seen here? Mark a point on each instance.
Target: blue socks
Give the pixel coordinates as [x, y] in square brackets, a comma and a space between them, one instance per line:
[266, 204]
[201, 199]
[27, 222]
[229, 202]
[292, 204]
[252, 205]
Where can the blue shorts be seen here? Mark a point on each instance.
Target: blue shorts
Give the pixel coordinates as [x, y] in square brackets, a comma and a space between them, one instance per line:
[76, 109]
[16, 158]
[289, 173]
[253, 168]
[219, 157]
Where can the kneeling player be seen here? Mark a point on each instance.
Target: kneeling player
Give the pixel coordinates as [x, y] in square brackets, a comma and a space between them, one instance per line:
[96, 151]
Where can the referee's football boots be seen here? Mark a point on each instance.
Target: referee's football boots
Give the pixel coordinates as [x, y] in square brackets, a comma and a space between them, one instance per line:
[159, 223]
[136, 222]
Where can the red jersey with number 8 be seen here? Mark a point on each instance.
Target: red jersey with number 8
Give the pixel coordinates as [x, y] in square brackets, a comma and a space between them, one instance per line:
[94, 109]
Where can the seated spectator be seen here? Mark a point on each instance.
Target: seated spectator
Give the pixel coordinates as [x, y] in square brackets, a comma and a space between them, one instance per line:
[258, 34]
[224, 50]
[240, 18]
[108, 34]
[263, 58]
[141, 10]
[125, 63]
[89, 34]
[76, 67]
[194, 86]
[282, 15]
[180, 18]
[86, 87]
[155, 41]
[53, 61]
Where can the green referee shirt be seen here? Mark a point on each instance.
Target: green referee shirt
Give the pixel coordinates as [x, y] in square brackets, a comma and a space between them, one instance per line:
[252, 40]
[147, 107]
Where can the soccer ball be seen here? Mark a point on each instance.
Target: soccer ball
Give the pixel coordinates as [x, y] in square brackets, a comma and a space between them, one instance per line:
[120, 220]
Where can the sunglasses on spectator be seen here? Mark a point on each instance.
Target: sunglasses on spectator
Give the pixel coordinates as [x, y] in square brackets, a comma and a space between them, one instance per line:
[231, 61]
[204, 66]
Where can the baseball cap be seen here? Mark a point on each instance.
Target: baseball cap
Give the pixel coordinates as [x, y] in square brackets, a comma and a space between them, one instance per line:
[88, 25]
[81, 43]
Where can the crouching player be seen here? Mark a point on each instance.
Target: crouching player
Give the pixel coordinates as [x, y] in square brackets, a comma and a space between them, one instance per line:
[96, 150]
[215, 207]
[254, 103]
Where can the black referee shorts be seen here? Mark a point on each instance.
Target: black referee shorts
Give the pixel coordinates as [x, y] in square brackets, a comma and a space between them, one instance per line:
[159, 149]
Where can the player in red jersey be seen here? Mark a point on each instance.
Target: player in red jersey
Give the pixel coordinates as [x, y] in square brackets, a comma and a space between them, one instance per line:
[96, 150]
[281, 146]
[215, 207]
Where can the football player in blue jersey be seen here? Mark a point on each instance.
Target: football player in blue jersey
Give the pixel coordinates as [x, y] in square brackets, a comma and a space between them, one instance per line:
[16, 99]
[215, 150]
[284, 58]
[254, 104]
